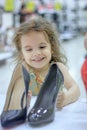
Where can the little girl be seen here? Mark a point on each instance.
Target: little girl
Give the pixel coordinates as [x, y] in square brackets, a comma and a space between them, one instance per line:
[38, 46]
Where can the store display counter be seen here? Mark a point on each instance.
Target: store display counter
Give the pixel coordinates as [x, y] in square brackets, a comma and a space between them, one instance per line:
[71, 117]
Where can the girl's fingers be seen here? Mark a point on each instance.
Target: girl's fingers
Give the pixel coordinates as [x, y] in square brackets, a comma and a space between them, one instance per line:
[29, 94]
[29, 98]
[60, 100]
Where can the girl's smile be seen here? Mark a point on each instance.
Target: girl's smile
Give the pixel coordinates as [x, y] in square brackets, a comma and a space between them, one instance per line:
[38, 59]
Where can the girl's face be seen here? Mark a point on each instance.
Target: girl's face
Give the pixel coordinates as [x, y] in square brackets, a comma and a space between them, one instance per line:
[36, 49]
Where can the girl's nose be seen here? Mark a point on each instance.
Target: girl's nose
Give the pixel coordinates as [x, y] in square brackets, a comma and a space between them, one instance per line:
[36, 52]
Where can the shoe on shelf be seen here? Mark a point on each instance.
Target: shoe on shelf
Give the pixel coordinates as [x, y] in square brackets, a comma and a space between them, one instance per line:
[15, 108]
[43, 110]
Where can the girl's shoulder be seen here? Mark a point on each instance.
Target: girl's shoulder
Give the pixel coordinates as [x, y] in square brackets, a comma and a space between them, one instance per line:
[62, 67]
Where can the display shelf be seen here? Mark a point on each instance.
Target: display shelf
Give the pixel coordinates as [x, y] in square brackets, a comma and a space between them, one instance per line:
[4, 56]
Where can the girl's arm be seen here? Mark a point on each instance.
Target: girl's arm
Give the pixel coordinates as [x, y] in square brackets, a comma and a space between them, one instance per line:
[72, 92]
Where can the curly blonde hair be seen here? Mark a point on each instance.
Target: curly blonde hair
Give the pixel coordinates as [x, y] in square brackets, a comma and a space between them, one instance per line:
[40, 24]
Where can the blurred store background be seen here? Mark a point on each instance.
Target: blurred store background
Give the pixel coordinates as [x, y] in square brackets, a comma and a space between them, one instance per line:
[68, 16]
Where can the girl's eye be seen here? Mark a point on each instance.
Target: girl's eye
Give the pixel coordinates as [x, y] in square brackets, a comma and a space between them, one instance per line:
[42, 47]
[29, 49]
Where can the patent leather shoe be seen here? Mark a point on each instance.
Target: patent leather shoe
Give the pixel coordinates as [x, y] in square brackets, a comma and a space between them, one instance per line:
[43, 110]
[15, 109]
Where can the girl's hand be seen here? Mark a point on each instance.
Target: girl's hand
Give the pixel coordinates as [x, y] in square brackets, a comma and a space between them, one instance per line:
[29, 98]
[60, 100]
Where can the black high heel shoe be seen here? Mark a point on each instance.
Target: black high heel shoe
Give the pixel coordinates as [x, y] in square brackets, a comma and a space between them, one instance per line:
[43, 110]
[15, 109]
